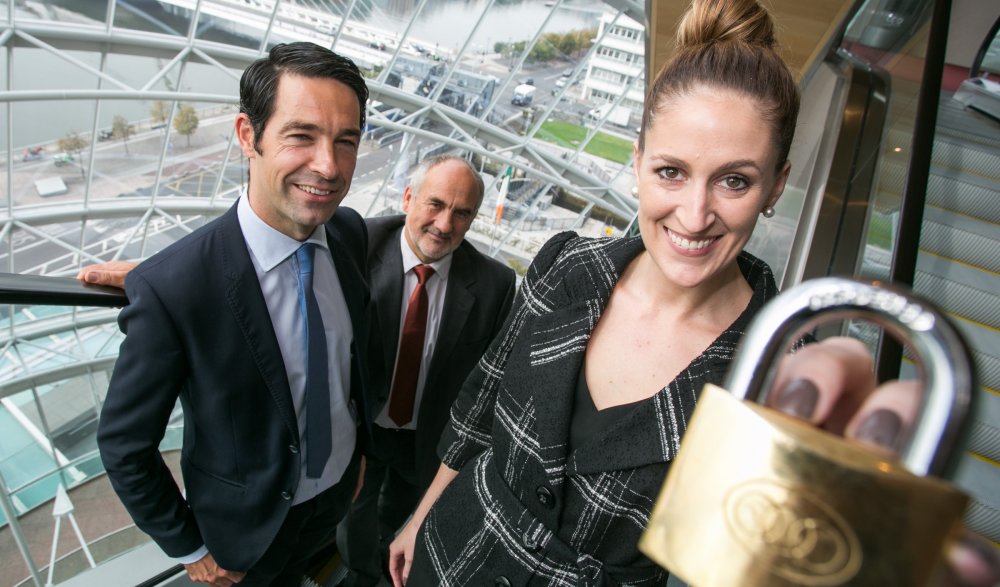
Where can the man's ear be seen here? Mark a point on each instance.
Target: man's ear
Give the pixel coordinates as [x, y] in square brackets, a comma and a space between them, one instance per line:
[407, 198]
[245, 134]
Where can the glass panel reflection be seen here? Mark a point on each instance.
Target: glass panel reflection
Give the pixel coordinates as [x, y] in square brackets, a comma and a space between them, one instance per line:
[153, 17]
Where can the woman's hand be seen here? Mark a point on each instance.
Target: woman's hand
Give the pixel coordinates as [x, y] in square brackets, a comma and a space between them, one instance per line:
[401, 553]
[832, 384]
[401, 549]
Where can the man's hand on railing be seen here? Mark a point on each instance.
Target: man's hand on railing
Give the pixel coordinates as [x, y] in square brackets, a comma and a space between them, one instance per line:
[208, 571]
[111, 273]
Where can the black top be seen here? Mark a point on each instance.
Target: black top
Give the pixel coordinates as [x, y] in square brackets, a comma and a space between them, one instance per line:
[587, 422]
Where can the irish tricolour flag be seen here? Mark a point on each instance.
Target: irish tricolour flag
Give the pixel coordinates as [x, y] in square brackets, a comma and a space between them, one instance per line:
[504, 186]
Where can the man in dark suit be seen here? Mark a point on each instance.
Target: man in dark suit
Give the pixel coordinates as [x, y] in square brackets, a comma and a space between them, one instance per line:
[468, 297]
[258, 323]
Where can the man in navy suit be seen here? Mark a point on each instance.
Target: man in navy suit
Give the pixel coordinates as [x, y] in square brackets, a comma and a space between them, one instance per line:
[222, 321]
[469, 296]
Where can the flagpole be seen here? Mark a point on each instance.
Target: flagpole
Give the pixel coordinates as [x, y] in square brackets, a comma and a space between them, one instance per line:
[501, 199]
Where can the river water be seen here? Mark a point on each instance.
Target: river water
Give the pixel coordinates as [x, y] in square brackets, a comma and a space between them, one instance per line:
[449, 22]
[442, 23]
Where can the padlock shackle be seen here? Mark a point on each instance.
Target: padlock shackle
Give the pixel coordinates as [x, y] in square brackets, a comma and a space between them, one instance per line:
[948, 371]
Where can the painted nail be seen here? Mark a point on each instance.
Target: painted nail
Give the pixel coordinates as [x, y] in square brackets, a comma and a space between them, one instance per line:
[985, 558]
[798, 398]
[881, 427]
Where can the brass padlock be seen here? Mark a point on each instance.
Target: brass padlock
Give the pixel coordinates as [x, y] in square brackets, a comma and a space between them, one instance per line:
[758, 498]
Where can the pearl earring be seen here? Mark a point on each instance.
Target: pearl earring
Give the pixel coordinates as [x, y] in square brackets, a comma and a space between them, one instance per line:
[635, 190]
[768, 211]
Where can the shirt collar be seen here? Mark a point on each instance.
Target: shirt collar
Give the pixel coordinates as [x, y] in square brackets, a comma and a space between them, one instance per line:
[410, 260]
[269, 246]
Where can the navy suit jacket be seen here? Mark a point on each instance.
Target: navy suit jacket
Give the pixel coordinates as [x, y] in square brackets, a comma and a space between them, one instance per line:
[479, 295]
[198, 329]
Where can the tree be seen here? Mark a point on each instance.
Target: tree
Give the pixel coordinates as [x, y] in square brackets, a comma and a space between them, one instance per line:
[186, 122]
[160, 111]
[544, 49]
[121, 129]
[72, 143]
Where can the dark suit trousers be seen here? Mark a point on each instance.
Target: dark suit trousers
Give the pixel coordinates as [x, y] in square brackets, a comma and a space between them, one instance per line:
[388, 497]
[308, 527]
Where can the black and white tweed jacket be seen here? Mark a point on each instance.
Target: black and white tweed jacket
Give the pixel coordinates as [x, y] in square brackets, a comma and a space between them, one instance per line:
[524, 512]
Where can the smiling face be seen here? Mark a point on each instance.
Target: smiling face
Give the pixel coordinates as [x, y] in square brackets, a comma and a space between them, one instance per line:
[440, 213]
[307, 154]
[709, 167]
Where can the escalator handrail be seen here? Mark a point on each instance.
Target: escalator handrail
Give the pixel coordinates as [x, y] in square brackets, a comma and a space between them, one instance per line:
[903, 261]
[831, 45]
[45, 290]
[163, 577]
[977, 63]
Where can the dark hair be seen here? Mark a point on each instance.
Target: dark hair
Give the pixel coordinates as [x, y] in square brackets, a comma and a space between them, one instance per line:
[418, 175]
[729, 44]
[259, 84]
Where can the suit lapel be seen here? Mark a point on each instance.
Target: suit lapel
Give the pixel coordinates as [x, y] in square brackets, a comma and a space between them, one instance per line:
[349, 276]
[545, 376]
[347, 259]
[554, 355]
[387, 282]
[458, 303]
[250, 311]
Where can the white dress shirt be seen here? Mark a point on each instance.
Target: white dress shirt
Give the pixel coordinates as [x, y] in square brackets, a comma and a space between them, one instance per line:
[436, 286]
[273, 257]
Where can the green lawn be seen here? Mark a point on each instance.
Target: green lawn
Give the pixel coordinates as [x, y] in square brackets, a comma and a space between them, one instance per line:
[570, 135]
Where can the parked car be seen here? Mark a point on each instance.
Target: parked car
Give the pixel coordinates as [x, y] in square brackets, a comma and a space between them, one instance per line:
[62, 159]
[567, 72]
[32, 154]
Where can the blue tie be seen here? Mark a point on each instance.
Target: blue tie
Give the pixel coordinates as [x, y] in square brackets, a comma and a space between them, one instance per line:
[318, 433]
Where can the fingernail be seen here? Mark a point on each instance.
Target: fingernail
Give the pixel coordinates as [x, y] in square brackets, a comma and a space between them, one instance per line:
[985, 554]
[798, 398]
[881, 427]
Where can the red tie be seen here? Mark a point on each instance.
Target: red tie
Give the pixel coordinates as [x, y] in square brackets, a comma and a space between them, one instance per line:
[411, 349]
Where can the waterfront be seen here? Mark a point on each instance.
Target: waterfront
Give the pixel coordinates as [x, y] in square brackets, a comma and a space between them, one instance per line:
[443, 25]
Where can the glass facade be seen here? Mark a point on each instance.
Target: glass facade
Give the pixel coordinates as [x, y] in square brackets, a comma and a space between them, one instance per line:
[116, 139]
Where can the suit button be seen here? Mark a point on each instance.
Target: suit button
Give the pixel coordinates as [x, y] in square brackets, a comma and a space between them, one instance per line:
[286, 496]
[501, 581]
[293, 449]
[529, 540]
[545, 497]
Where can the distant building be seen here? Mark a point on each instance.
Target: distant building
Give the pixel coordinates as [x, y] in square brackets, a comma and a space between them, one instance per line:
[620, 56]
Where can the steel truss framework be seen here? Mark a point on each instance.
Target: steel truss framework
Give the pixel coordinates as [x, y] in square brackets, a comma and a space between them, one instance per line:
[39, 351]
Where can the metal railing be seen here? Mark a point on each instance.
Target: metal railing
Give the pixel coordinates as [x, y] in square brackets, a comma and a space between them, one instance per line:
[903, 264]
[977, 64]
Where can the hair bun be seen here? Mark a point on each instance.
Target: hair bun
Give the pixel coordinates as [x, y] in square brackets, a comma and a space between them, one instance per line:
[736, 21]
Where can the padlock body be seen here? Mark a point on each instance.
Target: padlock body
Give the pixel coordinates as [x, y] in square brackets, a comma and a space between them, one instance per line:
[757, 498]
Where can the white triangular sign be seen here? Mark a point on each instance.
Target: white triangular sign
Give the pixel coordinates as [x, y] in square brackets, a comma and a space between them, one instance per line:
[62, 504]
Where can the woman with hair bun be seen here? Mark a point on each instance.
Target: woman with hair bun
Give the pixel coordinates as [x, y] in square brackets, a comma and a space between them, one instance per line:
[561, 438]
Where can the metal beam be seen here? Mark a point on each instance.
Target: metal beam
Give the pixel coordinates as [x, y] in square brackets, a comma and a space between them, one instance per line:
[630, 8]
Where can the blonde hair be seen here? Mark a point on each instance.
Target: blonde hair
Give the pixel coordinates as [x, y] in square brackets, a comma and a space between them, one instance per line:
[729, 44]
